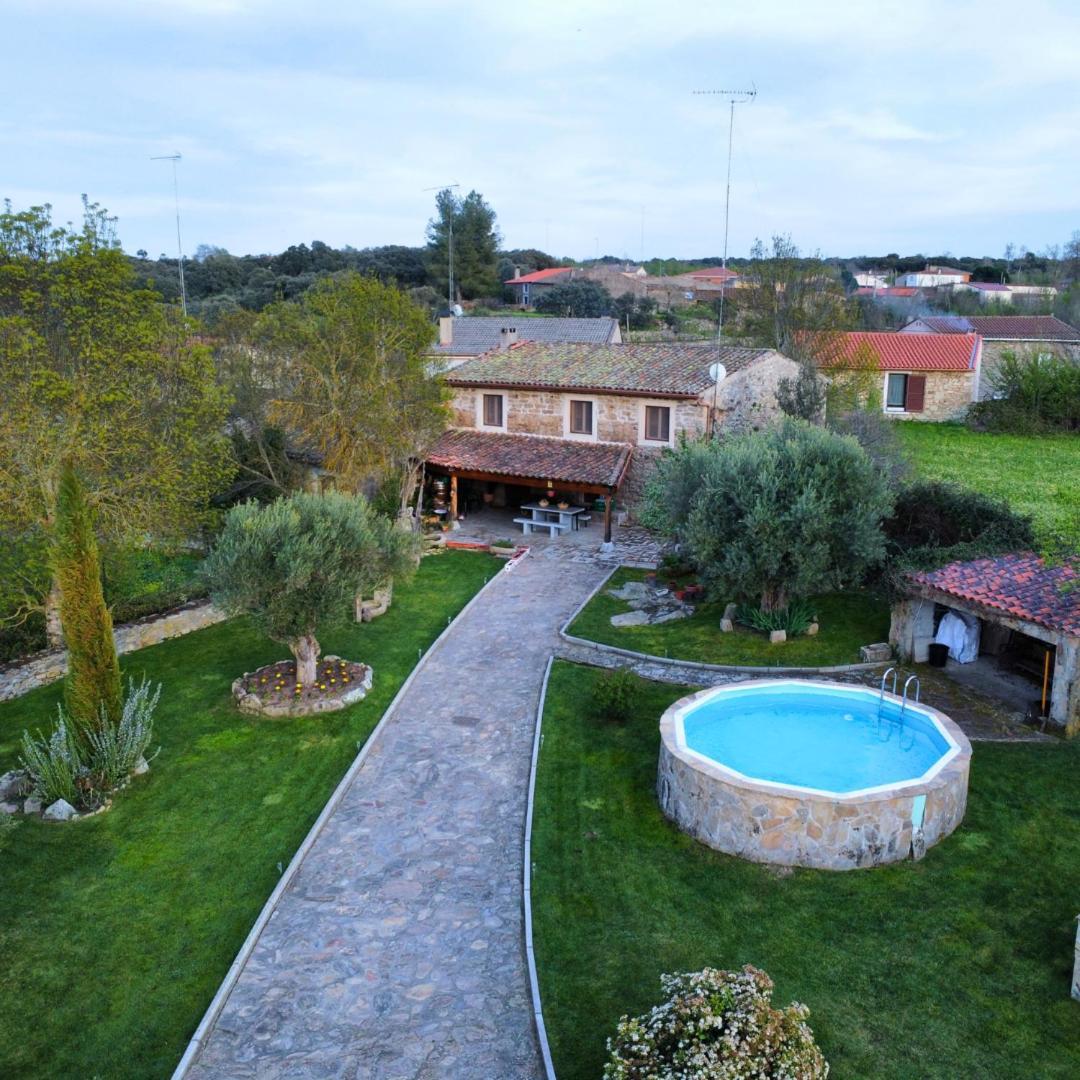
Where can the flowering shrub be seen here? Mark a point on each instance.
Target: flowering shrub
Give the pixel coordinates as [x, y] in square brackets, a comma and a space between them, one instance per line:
[716, 1025]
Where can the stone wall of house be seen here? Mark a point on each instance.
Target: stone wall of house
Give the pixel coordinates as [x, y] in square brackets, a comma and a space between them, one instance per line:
[746, 400]
[994, 350]
[19, 676]
[543, 412]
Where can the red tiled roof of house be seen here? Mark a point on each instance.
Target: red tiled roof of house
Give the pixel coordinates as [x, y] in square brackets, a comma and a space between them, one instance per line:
[566, 461]
[1005, 327]
[1020, 585]
[718, 273]
[541, 275]
[904, 352]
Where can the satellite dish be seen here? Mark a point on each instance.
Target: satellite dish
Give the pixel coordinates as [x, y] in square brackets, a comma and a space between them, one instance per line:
[717, 372]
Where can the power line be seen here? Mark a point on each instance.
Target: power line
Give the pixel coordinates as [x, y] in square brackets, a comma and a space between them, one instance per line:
[174, 158]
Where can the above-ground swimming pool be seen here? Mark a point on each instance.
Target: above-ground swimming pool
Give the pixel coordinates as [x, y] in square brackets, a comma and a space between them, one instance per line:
[806, 773]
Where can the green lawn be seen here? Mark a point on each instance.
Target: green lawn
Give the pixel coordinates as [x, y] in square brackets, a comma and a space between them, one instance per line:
[848, 621]
[116, 931]
[956, 966]
[1037, 475]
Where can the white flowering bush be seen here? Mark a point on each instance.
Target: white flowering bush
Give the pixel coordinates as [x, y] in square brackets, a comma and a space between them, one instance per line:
[716, 1025]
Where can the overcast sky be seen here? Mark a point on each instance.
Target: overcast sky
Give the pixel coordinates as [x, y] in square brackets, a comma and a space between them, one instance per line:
[920, 126]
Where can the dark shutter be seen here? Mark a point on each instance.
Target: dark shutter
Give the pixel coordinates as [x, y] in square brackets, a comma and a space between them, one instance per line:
[916, 393]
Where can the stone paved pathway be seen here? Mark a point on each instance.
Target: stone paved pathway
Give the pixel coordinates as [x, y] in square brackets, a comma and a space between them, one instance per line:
[397, 951]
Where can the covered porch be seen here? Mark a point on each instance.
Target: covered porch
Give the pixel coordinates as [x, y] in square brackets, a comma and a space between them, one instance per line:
[505, 478]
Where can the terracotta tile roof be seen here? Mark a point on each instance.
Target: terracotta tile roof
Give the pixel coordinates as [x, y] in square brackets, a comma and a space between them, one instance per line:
[1020, 585]
[905, 352]
[717, 273]
[1004, 327]
[567, 461]
[666, 370]
[552, 274]
[475, 335]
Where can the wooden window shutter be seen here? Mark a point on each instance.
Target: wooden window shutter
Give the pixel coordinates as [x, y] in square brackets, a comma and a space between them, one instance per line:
[916, 393]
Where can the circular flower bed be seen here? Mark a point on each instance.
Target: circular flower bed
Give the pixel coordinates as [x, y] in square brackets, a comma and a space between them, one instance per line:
[274, 691]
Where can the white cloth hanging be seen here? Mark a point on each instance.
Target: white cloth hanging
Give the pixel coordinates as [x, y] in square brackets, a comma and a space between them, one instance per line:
[961, 633]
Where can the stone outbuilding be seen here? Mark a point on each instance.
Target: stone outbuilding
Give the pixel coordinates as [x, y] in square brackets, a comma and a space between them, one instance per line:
[1029, 614]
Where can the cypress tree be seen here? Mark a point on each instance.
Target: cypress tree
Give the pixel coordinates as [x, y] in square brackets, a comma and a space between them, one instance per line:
[92, 691]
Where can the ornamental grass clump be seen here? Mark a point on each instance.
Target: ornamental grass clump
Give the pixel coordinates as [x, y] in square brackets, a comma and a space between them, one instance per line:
[716, 1025]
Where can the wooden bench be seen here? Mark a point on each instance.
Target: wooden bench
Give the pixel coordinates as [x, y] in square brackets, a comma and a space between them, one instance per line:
[529, 524]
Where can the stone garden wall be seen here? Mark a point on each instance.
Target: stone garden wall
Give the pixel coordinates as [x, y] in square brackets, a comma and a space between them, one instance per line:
[20, 676]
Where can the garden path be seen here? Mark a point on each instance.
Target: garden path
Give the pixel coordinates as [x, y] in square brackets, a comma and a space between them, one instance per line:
[397, 951]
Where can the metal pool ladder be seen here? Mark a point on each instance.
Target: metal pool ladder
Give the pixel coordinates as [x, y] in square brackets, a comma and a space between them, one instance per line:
[903, 705]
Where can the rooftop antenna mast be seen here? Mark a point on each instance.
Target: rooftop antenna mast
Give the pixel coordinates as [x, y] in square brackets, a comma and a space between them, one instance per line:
[449, 248]
[735, 97]
[174, 158]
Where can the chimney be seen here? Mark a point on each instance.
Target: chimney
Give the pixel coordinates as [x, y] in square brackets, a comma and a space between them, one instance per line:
[507, 337]
[446, 330]
[517, 272]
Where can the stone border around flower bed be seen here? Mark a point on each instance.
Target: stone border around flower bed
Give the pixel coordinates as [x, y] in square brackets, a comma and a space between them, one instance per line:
[698, 665]
[16, 797]
[249, 702]
[18, 677]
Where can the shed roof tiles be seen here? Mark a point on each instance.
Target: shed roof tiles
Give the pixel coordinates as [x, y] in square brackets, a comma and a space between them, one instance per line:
[904, 352]
[1020, 585]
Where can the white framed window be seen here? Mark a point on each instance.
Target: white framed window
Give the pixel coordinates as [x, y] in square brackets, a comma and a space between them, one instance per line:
[579, 418]
[656, 425]
[895, 391]
[491, 411]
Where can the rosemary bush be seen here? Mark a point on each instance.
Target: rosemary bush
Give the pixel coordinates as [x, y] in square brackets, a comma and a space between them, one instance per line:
[61, 767]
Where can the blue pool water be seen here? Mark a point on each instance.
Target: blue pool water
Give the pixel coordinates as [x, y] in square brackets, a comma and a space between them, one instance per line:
[817, 737]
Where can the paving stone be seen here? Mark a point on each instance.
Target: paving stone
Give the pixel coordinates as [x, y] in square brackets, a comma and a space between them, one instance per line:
[398, 949]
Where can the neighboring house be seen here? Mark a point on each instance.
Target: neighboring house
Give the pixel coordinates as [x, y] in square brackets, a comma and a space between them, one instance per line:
[465, 338]
[590, 420]
[934, 277]
[871, 279]
[528, 288]
[923, 376]
[988, 292]
[1028, 615]
[1039, 334]
[891, 294]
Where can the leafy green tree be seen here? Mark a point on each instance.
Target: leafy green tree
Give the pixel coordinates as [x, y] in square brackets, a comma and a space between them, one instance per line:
[98, 373]
[297, 565]
[475, 248]
[775, 515]
[355, 382]
[575, 299]
[92, 691]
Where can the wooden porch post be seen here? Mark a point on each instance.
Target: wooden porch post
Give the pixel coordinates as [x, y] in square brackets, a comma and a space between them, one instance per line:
[453, 498]
[607, 515]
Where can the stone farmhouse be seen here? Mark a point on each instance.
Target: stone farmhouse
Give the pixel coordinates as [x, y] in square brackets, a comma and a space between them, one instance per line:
[589, 421]
[467, 337]
[923, 376]
[1039, 334]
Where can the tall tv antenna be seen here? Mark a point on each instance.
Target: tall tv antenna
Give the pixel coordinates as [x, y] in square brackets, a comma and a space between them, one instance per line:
[449, 249]
[735, 97]
[174, 158]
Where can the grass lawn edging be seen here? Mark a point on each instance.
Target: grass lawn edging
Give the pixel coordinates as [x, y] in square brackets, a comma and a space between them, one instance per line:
[213, 1011]
[530, 955]
[697, 665]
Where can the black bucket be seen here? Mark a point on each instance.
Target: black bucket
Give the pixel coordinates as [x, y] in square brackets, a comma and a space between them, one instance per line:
[939, 654]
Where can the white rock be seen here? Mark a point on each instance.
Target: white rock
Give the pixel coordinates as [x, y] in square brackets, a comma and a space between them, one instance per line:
[61, 810]
[726, 626]
[777, 636]
[630, 618]
[141, 767]
[9, 808]
[670, 616]
[32, 805]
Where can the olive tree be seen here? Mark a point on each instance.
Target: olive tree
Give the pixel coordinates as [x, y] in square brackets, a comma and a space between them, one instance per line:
[296, 566]
[774, 515]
